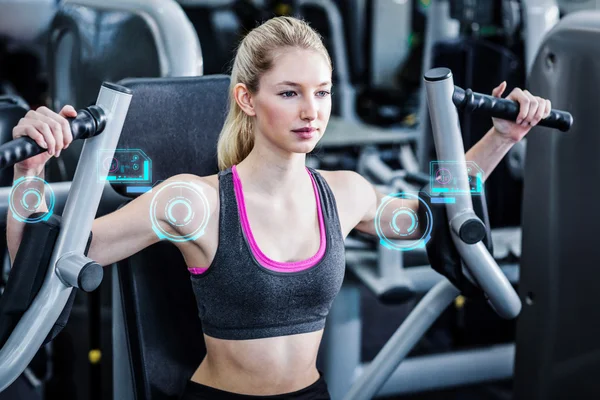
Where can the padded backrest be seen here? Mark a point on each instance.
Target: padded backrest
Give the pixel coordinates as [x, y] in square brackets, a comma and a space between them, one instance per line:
[176, 122]
[558, 346]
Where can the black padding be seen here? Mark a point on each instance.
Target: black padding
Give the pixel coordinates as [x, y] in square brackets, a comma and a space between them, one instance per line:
[166, 344]
[27, 276]
[441, 251]
[28, 272]
[176, 122]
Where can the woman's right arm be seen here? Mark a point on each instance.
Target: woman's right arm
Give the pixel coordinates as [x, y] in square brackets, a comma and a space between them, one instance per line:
[129, 230]
[125, 231]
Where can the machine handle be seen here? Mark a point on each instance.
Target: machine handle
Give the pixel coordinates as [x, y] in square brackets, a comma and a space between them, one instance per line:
[470, 101]
[89, 122]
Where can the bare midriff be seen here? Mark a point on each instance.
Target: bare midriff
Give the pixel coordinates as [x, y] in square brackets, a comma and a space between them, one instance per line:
[269, 366]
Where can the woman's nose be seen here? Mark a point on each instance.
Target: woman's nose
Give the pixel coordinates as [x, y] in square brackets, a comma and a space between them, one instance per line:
[309, 110]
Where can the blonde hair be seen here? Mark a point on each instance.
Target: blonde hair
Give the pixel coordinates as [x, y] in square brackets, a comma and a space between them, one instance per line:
[253, 59]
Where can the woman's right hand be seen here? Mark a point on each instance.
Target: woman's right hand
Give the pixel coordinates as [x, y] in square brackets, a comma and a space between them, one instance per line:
[49, 130]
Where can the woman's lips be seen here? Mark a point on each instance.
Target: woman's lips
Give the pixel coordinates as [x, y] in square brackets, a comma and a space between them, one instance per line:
[309, 129]
[305, 133]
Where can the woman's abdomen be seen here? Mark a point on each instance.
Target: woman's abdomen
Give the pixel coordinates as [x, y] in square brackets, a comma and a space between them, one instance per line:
[261, 366]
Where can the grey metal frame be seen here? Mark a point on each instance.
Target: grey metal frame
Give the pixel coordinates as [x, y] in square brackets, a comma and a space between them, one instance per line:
[449, 146]
[412, 329]
[87, 187]
[344, 370]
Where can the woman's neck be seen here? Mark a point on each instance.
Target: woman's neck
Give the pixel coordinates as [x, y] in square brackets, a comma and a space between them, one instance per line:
[273, 176]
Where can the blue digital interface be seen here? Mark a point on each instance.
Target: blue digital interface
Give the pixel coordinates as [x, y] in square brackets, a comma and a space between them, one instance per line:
[124, 166]
[453, 178]
[26, 196]
[398, 226]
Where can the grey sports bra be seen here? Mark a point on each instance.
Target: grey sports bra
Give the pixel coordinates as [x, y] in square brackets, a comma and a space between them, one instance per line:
[246, 295]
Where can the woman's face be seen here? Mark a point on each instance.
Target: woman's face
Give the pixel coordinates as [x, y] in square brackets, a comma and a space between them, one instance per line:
[293, 103]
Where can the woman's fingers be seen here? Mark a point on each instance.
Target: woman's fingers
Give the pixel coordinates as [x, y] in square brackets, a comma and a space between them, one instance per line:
[498, 90]
[548, 108]
[65, 128]
[541, 111]
[51, 125]
[524, 103]
[45, 130]
[30, 131]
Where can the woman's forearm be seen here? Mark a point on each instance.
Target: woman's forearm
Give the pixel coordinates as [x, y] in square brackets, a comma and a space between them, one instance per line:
[489, 151]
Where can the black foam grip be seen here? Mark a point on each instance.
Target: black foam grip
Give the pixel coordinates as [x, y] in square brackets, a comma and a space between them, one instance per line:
[467, 100]
[83, 126]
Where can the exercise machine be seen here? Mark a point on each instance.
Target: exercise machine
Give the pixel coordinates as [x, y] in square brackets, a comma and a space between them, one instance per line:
[466, 229]
[35, 304]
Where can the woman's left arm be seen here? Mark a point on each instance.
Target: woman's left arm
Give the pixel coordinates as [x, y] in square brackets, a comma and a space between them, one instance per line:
[487, 154]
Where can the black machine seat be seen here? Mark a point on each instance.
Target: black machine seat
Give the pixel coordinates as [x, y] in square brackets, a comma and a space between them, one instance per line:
[176, 122]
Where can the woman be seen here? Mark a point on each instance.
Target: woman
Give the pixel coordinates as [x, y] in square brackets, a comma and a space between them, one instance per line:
[271, 260]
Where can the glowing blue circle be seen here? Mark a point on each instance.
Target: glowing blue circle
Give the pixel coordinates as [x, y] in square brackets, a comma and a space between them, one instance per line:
[20, 199]
[396, 202]
[179, 187]
[36, 194]
[170, 212]
[413, 221]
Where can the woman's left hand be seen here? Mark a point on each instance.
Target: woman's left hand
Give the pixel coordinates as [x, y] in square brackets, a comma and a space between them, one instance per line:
[532, 110]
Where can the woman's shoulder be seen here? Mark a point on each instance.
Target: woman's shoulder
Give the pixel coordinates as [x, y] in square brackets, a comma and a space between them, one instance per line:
[209, 185]
[340, 181]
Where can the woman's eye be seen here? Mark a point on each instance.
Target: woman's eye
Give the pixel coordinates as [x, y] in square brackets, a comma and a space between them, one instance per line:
[289, 93]
[323, 93]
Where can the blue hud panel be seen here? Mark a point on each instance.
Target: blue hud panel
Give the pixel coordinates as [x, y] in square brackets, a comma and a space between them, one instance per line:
[125, 166]
[454, 178]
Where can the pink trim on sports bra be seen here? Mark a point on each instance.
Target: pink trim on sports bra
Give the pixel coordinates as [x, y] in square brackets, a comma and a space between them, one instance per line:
[197, 270]
[260, 256]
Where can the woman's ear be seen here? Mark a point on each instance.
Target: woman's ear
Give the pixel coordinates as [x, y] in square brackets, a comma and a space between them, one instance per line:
[244, 99]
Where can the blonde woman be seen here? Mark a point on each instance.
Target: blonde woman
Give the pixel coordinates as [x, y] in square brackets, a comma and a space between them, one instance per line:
[271, 260]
